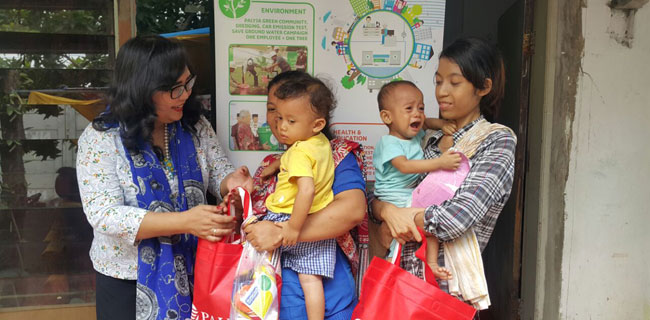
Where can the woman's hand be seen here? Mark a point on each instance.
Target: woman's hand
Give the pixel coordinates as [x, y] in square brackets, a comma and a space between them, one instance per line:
[264, 235]
[289, 234]
[271, 170]
[449, 160]
[400, 221]
[209, 222]
[449, 127]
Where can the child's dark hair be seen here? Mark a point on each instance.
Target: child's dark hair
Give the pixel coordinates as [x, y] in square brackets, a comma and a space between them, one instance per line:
[478, 61]
[388, 88]
[296, 84]
[286, 76]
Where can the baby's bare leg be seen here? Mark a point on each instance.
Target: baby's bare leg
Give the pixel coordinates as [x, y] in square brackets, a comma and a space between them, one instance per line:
[385, 237]
[312, 286]
[432, 259]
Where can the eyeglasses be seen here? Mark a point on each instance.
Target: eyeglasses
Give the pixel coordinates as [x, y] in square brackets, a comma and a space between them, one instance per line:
[178, 90]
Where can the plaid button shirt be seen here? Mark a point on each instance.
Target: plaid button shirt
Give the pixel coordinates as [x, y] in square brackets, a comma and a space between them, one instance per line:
[477, 202]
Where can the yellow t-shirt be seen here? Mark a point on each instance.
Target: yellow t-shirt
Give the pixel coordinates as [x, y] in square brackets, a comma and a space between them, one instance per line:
[309, 158]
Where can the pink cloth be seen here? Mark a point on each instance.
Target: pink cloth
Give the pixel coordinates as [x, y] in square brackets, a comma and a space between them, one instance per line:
[440, 185]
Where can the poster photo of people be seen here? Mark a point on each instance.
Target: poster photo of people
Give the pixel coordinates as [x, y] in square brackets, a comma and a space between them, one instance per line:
[253, 66]
[249, 130]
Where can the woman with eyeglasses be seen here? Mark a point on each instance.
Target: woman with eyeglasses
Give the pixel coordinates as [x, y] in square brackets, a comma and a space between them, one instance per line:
[144, 167]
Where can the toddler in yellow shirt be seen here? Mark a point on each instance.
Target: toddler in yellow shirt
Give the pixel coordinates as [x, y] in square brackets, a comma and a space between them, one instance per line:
[304, 184]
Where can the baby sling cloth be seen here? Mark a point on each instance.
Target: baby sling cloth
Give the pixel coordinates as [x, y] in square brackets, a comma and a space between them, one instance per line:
[463, 255]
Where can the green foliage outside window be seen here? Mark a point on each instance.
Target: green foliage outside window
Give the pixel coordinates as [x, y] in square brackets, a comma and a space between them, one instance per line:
[164, 16]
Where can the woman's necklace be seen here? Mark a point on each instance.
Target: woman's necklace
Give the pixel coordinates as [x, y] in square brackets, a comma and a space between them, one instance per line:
[167, 162]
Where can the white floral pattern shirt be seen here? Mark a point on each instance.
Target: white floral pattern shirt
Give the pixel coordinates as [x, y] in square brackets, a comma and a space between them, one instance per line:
[109, 200]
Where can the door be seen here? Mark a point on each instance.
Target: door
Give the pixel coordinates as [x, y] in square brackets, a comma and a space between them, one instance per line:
[508, 24]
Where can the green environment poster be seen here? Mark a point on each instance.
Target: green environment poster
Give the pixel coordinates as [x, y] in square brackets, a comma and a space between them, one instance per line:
[356, 46]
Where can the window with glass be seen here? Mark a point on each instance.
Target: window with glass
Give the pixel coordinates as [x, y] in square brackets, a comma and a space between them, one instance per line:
[56, 59]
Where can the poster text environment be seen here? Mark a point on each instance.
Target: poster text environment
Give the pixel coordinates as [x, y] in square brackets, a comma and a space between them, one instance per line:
[355, 46]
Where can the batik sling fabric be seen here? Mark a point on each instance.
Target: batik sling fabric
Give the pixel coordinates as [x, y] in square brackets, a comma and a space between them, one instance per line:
[463, 255]
[470, 140]
[166, 264]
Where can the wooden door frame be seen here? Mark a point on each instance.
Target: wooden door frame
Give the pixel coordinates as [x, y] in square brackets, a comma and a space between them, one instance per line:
[507, 298]
[521, 154]
[557, 68]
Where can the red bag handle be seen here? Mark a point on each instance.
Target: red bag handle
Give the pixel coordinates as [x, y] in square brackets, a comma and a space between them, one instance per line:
[421, 254]
[245, 201]
[247, 215]
[397, 256]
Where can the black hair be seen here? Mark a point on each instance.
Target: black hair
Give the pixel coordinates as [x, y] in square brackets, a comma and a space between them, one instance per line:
[387, 88]
[144, 65]
[286, 76]
[65, 184]
[295, 84]
[478, 61]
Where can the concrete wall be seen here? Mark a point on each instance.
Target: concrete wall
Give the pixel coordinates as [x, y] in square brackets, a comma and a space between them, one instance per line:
[606, 250]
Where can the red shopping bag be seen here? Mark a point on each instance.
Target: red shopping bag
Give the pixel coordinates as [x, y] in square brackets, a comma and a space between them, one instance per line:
[390, 292]
[214, 272]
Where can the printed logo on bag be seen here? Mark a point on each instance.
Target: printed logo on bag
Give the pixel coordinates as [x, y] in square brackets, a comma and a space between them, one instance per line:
[202, 315]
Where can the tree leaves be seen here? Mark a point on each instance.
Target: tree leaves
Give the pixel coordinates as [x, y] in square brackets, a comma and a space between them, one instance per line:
[44, 149]
[163, 16]
[54, 21]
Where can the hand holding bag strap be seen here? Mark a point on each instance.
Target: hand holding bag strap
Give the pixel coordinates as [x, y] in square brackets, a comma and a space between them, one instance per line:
[245, 201]
[215, 270]
[247, 215]
[421, 253]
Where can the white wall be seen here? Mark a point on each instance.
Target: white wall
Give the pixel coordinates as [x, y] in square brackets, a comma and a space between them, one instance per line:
[40, 174]
[605, 263]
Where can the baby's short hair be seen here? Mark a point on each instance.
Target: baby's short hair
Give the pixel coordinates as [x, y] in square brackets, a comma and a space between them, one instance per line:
[388, 88]
[320, 96]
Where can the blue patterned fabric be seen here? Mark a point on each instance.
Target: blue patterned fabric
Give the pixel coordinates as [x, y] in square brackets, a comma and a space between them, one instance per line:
[166, 264]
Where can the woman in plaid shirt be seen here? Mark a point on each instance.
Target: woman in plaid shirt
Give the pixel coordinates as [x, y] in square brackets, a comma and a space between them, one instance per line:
[469, 89]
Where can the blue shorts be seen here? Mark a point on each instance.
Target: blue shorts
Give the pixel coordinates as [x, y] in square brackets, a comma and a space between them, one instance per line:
[340, 297]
